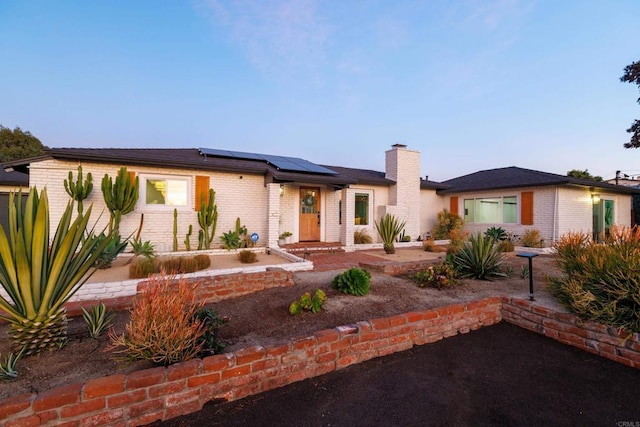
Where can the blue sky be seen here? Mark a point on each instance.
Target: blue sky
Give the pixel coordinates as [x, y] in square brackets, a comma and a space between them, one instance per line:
[472, 85]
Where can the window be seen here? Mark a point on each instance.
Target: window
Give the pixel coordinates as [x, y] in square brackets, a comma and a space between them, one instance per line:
[165, 191]
[362, 209]
[491, 210]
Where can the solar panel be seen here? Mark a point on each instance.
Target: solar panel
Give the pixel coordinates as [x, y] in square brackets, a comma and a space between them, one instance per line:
[292, 164]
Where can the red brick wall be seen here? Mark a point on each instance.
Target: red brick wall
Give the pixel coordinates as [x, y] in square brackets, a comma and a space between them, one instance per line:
[605, 341]
[161, 393]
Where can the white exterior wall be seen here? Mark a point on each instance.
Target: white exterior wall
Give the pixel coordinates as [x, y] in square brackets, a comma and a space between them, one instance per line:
[581, 220]
[237, 195]
[430, 204]
[403, 167]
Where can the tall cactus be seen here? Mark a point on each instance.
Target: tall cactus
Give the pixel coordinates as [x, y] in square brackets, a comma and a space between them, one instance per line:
[187, 239]
[208, 218]
[80, 189]
[120, 197]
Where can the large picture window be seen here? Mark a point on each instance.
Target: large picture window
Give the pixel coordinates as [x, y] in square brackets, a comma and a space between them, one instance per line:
[491, 210]
[362, 209]
[166, 191]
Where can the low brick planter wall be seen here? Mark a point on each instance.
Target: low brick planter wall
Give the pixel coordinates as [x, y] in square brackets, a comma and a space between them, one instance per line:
[605, 341]
[397, 268]
[161, 393]
[211, 288]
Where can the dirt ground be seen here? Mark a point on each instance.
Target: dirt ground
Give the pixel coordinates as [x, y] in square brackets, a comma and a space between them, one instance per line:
[499, 375]
[263, 319]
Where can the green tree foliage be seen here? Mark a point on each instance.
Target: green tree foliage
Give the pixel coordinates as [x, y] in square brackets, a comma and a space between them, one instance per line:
[17, 144]
[632, 75]
[583, 174]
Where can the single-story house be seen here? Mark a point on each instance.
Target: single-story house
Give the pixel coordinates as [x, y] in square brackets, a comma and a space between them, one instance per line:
[10, 181]
[276, 194]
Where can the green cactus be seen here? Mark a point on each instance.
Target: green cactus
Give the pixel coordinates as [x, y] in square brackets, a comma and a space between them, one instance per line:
[79, 190]
[187, 239]
[175, 230]
[120, 197]
[208, 218]
[200, 240]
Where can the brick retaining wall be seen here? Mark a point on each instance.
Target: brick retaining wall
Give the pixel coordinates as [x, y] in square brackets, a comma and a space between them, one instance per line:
[605, 341]
[161, 393]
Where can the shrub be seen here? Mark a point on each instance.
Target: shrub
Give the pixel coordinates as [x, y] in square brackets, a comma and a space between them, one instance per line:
[140, 248]
[437, 276]
[497, 234]
[309, 303]
[247, 257]
[429, 245]
[506, 246]
[142, 268]
[210, 339]
[447, 222]
[361, 237]
[532, 239]
[457, 240]
[188, 265]
[204, 261]
[97, 319]
[479, 259]
[170, 265]
[163, 327]
[389, 228]
[354, 281]
[601, 282]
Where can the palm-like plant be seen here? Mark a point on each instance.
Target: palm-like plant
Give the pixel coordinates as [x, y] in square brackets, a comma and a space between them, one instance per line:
[40, 277]
[389, 228]
[479, 258]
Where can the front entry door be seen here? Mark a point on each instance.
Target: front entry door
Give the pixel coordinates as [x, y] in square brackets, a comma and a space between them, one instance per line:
[309, 214]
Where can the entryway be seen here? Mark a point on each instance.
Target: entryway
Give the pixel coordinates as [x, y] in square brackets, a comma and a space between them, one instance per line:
[309, 214]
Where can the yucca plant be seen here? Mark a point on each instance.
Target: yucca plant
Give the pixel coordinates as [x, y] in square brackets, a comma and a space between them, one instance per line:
[479, 258]
[97, 319]
[40, 277]
[8, 370]
[389, 228]
[496, 234]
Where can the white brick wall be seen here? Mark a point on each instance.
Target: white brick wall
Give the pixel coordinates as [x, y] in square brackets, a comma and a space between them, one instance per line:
[237, 195]
[430, 205]
[403, 166]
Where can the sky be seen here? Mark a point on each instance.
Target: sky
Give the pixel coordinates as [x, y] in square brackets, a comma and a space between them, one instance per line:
[471, 84]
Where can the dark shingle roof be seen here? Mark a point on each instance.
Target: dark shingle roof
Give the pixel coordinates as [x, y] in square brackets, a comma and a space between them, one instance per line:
[513, 177]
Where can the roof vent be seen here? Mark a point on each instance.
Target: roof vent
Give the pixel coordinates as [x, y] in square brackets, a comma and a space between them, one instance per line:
[399, 146]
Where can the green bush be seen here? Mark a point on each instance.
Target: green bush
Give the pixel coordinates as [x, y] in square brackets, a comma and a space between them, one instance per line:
[601, 282]
[532, 239]
[479, 258]
[447, 222]
[210, 342]
[437, 276]
[355, 281]
[497, 234]
[309, 303]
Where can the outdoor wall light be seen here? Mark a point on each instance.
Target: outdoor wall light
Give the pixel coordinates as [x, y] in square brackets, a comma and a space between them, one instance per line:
[595, 198]
[281, 190]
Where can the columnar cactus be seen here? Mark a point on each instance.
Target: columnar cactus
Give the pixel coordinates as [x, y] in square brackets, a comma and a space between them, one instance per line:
[79, 190]
[208, 218]
[120, 197]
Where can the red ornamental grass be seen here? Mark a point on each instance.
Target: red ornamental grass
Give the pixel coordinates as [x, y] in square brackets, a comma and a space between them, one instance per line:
[162, 327]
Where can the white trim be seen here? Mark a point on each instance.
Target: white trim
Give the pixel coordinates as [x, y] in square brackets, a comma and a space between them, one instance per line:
[142, 205]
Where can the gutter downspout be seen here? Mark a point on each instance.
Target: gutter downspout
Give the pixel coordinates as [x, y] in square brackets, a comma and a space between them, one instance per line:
[555, 215]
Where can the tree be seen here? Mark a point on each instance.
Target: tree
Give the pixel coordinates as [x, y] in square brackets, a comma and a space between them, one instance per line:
[632, 75]
[583, 174]
[16, 144]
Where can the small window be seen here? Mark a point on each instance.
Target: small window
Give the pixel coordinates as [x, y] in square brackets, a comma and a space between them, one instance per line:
[160, 191]
[362, 209]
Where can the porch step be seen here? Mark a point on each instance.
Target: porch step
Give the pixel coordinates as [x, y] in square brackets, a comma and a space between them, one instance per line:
[305, 249]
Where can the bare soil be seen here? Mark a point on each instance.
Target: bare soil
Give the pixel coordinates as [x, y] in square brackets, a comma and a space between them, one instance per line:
[262, 319]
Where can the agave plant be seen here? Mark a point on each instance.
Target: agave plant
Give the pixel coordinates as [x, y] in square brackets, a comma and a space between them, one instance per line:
[480, 258]
[389, 228]
[40, 277]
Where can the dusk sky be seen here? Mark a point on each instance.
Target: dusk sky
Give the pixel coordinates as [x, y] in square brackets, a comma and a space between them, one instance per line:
[472, 85]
